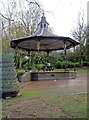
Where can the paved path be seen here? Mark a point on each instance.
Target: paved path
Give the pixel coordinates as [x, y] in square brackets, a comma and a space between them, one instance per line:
[81, 80]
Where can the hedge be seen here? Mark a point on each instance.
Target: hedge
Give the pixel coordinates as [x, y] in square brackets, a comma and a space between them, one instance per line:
[85, 63]
[59, 65]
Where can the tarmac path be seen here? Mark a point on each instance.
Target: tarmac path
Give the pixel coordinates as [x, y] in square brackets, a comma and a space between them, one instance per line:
[81, 80]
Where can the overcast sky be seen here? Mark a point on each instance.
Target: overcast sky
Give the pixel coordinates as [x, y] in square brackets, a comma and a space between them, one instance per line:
[63, 14]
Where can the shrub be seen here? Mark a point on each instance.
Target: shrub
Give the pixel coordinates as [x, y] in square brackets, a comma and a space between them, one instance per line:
[10, 87]
[29, 67]
[25, 60]
[77, 64]
[85, 63]
[58, 65]
[40, 66]
[69, 64]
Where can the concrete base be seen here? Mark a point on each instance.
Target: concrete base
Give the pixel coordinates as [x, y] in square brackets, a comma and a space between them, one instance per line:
[36, 76]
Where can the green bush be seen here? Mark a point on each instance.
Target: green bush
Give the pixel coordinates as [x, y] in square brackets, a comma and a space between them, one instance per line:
[40, 66]
[69, 64]
[88, 64]
[58, 65]
[77, 64]
[25, 61]
[85, 63]
[29, 67]
[72, 64]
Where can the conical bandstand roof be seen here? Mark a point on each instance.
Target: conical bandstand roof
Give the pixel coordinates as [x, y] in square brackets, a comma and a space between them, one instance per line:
[48, 41]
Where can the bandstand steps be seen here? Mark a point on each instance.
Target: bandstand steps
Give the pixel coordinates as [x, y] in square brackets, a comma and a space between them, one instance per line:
[26, 77]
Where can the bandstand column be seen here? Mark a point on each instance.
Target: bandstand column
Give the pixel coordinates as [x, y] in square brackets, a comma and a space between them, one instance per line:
[16, 57]
[65, 60]
[47, 56]
[74, 60]
[29, 57]
[38, 47]
[16, 60]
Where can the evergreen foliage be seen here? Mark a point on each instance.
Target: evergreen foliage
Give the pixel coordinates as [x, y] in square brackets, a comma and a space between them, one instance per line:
[9, 80]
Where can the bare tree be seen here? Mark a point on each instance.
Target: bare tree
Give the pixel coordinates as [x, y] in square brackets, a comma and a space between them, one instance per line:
[79, 34]
[7, 19]
[29, 16]
[20, 19]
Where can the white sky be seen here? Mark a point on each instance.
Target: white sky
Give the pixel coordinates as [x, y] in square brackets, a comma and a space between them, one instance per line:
[64, 14]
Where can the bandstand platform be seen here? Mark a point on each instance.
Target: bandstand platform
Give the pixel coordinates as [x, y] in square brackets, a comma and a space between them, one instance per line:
[47, 75]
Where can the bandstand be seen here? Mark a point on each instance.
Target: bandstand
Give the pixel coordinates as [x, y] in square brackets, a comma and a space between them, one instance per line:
[44, 40]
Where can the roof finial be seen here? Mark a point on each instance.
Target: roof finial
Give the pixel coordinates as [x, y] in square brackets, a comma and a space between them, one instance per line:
[43, 12]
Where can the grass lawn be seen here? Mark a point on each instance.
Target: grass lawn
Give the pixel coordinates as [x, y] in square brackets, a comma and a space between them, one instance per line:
[82, 71]
[67, 106]
[64, 102]
[34, 94]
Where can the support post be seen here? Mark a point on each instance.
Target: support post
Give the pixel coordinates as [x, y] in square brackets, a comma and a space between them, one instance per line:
[29, 62]
[16, 59]
[65, 69]
[47, 56]
[38, 47]
[74, 61]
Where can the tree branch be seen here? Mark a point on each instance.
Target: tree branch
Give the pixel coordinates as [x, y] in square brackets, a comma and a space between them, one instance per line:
[36, 4]
[5, 17]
